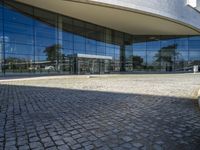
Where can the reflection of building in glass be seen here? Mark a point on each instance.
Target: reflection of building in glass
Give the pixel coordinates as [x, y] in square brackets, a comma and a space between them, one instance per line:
[36, 41]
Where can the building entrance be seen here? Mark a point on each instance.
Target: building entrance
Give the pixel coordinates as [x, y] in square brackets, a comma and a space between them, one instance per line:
[90, 64]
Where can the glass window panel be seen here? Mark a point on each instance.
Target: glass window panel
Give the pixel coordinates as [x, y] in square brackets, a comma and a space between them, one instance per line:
[67, 36]
[15, 63]
[128, 52]
[181, 61]
[78, 31]
[110, 50]
[1, 11]
[117, 57]
[182, 44]
[45, 28]
[1, 40]
[110, 54]
[78, 23]
[166, 43]
[79, 39]
[19, 38]
[91, 52]
[13, 48]
[100, 34]
[68, 45]
[194, 45]
[91, 46]
[49, 32]
[90, 42]
[40, 51]
[117, 49]
[153, 43]
[1, 27]
[194, 55]
[67, 52]
[18, 28]
[119, 40]
[139, 46]
[67, 20]
[79, 51]
[45, 24]
[139, 57]
[16, 12]
[139, 43]
[101, 43]
[45, 15]
[153, 63]
[101, 50]
[79, 47]
[90, 26]
[182, 56]
[194, 38]
[41, 59]
[151, 57]
[40, 41]
[52, 51]
[44, 65]
[110, 45]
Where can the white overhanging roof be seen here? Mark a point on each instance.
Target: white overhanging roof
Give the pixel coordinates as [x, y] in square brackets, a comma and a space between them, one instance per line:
[131, 22]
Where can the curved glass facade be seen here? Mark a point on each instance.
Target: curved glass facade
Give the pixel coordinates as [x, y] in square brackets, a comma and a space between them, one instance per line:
[35, 41]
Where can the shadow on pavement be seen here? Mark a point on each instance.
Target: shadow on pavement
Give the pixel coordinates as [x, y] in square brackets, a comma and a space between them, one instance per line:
[41, 117]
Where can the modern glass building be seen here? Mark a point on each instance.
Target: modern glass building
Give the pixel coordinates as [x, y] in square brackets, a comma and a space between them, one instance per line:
[36, 40]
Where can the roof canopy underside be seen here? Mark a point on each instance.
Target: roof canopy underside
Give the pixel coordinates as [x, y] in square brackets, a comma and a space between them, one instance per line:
[132, 22]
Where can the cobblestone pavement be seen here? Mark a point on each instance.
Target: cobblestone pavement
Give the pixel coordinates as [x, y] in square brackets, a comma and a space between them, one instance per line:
[146, 112]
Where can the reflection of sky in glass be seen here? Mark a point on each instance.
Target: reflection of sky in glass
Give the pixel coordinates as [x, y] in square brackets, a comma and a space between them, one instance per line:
[25, 34]
[151, 57]
[142, 54]
[194, 55]
[13, 16]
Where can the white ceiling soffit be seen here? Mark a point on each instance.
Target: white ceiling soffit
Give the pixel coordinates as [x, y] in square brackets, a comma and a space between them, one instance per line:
[118, 19]
[192, 3]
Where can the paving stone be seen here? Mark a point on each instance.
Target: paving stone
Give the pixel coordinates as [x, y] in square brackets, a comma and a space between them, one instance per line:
[114, 112]
[157, 147]
[59, 142]
[63, 147]
[76, 146]
[35, 145]
[127, 138]
[89, 147]
[138, 145]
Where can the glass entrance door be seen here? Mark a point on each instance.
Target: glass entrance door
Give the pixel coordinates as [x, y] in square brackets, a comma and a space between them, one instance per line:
[92, 66]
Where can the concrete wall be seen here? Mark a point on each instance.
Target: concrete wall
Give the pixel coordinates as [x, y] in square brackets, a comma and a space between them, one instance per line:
[174, 9]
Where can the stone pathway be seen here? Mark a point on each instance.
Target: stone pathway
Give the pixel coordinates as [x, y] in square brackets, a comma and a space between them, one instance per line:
[145, 112]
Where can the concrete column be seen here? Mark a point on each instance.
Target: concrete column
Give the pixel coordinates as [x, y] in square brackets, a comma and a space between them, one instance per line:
[1, 53]
[60, 42]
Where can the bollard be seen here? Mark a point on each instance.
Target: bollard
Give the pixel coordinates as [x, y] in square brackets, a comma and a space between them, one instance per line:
[195, 69]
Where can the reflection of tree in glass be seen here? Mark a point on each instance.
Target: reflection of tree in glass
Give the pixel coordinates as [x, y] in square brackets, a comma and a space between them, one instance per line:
[137, 61]
[53, 52]
[167, 55]
[16, 63]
